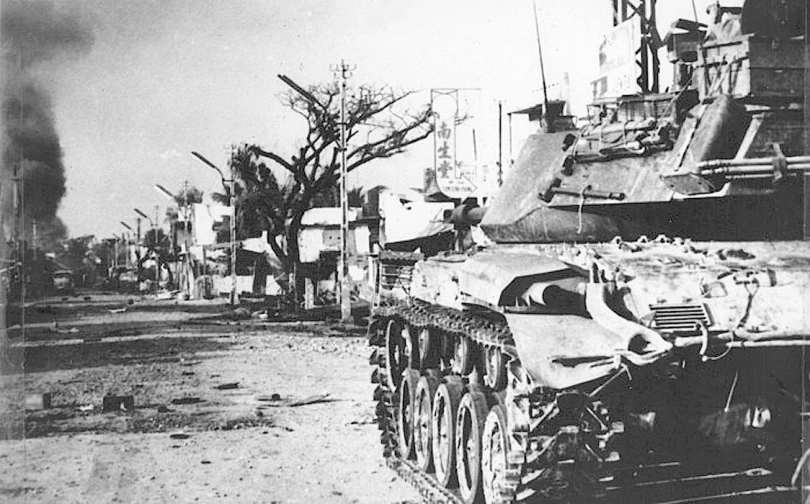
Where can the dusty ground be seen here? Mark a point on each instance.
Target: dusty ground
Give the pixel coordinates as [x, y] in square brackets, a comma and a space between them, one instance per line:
[187, 440]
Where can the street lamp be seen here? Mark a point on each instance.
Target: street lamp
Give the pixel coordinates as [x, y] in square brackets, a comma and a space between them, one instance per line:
[229, 186]
[165, 191]
[187, 274]
[153, 224]
[172, 228]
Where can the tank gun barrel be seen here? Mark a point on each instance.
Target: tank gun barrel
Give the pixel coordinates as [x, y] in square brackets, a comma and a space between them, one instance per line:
[465, 215]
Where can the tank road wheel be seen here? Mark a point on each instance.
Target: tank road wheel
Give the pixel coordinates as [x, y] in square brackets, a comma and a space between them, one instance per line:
[447, 348]
[494, 464]
[445, 410]
[472, 413]
[409, 334]
[396, 353]
[405, 416]
[423, 413]
[495, 367]
[463, 362]
[427, 348]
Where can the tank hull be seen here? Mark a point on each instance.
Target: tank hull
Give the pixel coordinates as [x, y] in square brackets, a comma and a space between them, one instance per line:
[695, 404]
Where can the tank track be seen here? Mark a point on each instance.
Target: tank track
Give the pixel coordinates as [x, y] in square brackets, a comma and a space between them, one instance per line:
[526, 474]
[430, 489]
[478, 329]
[422, 315]
[532, 472]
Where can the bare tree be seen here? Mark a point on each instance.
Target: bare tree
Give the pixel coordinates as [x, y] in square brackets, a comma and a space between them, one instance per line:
[376, 128]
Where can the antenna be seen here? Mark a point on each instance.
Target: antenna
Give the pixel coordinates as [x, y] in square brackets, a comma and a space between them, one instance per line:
[542, 71]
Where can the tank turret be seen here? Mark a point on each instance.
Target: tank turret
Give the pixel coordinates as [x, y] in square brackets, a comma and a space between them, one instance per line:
[725, 149]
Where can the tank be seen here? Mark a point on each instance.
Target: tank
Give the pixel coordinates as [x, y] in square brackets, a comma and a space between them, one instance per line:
[637, 328]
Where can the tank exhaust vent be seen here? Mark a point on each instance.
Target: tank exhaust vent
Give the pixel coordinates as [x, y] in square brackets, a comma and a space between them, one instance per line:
[680, 317]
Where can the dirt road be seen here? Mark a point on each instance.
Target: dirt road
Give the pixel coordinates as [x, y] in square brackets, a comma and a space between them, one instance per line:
[223, 412]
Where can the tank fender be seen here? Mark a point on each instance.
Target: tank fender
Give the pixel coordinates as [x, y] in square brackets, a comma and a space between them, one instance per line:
[642, 344]
[564, 350]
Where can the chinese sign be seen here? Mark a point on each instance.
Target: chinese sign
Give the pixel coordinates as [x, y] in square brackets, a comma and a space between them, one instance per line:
[453, 180]
[617, 61]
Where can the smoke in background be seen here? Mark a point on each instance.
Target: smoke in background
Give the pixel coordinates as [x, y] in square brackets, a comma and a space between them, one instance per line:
[34, 35]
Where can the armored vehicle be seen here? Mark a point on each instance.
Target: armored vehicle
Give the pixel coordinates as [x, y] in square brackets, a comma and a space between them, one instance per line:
[637, 331]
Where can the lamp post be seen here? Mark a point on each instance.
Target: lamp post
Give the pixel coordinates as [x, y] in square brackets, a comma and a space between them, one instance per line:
[172, 231]
[229, 186]
[153, 224]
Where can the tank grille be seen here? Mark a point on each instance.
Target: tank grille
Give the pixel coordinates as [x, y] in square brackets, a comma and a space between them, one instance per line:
[680, 317]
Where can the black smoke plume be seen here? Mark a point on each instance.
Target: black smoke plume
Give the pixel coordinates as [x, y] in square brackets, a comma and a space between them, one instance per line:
[35, 34]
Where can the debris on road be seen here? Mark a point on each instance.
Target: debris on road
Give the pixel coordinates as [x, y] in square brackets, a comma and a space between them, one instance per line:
[187, 400]
[313, 399]
[227, 386]
[173, 361]
[117, 403]
[270, 398]
[71, 330]
[38, 401]
[364, 420]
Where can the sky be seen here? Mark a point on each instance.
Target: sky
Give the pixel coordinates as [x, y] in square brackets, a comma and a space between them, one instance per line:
[164, 78]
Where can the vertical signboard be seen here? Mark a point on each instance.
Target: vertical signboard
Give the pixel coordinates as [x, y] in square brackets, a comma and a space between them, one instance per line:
[451, 179]
[618, 70]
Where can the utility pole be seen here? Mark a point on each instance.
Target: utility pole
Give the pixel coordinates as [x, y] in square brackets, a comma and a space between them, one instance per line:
[157, 256]
[18, 179]
[138, 249]
[343, 72]
[127, 239]
[186, 262]
[500, 143]
[230, 186]
[232, 203]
